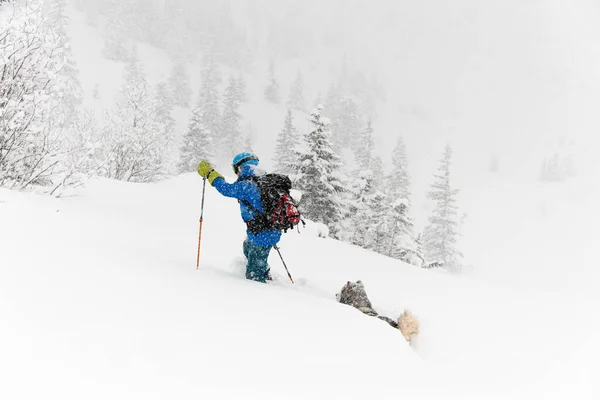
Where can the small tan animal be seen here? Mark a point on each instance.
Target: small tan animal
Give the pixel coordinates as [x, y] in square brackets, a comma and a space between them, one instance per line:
[408, 324]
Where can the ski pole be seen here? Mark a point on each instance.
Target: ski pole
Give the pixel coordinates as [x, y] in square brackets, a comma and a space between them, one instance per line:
[285, 266]
[201, 219]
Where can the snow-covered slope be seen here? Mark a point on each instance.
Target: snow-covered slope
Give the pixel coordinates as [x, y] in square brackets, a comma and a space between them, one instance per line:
[100, 298]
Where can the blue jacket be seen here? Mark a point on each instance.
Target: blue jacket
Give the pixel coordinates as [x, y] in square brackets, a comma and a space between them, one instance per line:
[248, 190]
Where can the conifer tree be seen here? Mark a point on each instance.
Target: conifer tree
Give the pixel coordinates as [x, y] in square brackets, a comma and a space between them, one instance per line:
[197, 144]
[287, 145]
[208, 103]
[403, 245]
[179, 82]
[364, 152]
[369, 221]
[272, 89]
[233, 141]
[318, 170]
[399, 179]
[441, 234]
[296, 98]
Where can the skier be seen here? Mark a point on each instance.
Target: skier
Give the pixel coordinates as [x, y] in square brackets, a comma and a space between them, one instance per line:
[257, 244]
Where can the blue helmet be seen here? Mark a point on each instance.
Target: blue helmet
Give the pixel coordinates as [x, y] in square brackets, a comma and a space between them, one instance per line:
[242, 159]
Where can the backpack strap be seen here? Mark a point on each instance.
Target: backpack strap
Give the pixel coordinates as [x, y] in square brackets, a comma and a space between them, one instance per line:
[246, 202]
[260, 222]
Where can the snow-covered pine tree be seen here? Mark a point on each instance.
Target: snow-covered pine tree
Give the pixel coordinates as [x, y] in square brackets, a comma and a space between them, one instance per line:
[197, 144]
[163, 108]
[378, 234]
[208, 103]
[441, 234]
[319, 177]
[136, 144]
[403, 245]
[370, 203]
[286, 146]
[179, 83]
[296, 98]
[364, 152]
[369, 223]
[232, 138]
[399, 179]
[272, 89]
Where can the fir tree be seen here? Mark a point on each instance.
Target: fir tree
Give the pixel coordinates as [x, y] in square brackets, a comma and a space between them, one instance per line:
[364, 153]
[441, 234]
[233, 141]
[318, 170]
[369, 203]
[296, 98]
[179, 82]
[287, 145]
[402, 245]
[272, 89]
[208, 103]
[197, 144]
[399, 179]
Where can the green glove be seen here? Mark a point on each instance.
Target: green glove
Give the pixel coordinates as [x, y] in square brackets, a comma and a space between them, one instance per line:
[206, 170]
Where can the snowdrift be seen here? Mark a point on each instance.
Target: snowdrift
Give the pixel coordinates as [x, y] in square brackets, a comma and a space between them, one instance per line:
[99, 298]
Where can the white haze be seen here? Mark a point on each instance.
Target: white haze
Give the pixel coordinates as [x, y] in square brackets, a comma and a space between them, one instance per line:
[513, 78]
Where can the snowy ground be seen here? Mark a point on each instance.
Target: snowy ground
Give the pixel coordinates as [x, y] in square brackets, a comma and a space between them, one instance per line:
[100, 298]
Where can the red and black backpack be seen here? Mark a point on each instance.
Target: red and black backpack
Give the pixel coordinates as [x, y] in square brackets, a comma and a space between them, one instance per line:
[279, 209]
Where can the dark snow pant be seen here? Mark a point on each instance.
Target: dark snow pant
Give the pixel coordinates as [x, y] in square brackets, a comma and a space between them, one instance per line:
[257, 268]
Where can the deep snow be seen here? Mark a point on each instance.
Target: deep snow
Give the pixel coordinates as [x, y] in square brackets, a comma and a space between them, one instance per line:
[100, 297]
